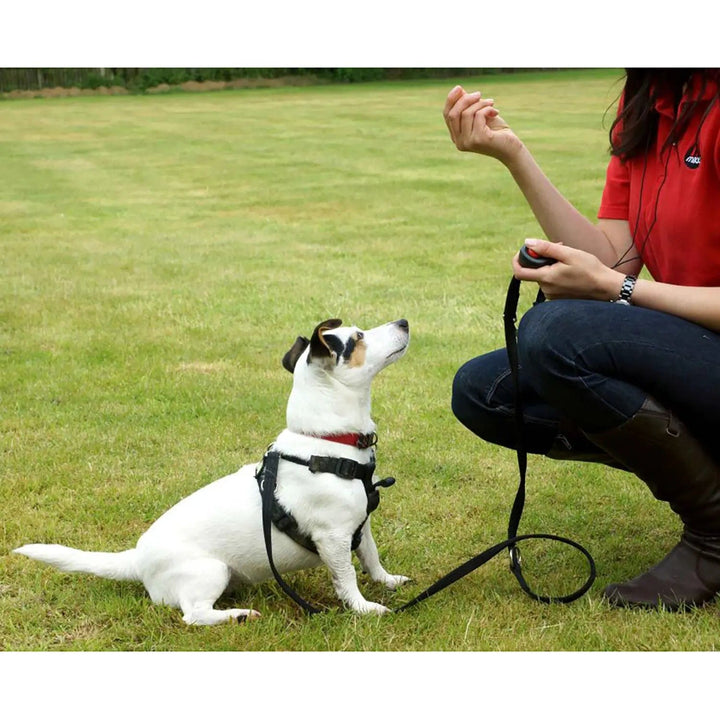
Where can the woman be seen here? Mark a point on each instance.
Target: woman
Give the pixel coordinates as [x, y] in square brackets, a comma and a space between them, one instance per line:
[617, 369]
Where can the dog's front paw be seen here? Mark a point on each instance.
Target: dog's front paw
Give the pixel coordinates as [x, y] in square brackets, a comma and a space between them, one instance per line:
[370, 608]
[395, 581]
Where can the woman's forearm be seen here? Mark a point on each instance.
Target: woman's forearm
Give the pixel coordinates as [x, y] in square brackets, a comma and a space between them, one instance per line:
[476, 126]
[560, 221]
[700, 305]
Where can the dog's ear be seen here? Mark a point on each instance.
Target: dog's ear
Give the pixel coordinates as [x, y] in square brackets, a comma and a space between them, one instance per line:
[319, 347]
[293, 354]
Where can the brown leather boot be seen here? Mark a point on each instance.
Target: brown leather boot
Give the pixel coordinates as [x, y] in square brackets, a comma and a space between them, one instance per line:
[659, 449]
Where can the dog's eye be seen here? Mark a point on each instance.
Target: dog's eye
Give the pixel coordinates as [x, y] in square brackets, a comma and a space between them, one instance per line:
[360, 335]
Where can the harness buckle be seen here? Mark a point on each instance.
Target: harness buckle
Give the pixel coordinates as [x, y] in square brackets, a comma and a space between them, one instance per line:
[315, 464]
[342, 467]
[347, 469]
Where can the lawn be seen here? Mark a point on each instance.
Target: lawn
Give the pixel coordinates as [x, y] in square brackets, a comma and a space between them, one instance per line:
[159, 256]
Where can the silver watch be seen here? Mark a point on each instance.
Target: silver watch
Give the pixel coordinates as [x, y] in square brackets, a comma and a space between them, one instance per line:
[626, 290]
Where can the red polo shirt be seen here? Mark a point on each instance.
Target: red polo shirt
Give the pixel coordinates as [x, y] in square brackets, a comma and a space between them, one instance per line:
[673, 204]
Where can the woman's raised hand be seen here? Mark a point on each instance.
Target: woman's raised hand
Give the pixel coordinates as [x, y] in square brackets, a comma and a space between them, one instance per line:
[476, 126]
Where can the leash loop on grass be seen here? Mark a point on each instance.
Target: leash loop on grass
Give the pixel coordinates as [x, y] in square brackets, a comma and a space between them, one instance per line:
[510, 317]
[475, 562]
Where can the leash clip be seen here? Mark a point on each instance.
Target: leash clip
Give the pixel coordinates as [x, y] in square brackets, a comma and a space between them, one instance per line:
[515, 558]
[366, 441]
[386, 482]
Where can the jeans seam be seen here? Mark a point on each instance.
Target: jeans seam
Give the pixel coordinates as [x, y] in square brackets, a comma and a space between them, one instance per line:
[491, 391]
[510, 411]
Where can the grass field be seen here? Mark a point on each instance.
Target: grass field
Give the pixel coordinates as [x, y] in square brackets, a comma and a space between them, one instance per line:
[159, 256]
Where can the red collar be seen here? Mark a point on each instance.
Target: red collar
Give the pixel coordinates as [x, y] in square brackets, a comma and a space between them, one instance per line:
[353, 439]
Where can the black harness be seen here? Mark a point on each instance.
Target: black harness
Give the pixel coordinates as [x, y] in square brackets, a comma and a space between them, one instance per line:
[274, 513]
[343, 468]
[349, 469]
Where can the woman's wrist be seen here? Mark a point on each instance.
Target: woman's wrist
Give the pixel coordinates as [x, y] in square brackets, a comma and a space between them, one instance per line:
[613, 285]
[515, 155]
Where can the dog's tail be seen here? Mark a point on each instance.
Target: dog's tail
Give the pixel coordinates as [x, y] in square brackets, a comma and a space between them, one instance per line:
[114, 566]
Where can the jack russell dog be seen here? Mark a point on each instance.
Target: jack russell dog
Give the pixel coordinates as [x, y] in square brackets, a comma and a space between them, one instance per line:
[212, 540]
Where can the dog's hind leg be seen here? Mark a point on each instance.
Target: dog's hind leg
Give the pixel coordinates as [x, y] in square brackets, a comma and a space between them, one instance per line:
[367, 553]
[195, 585]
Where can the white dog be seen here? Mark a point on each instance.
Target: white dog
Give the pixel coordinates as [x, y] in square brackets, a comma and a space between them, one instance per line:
[214, 538]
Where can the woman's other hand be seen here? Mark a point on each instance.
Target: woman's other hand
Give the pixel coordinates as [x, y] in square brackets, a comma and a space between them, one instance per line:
[576, 274]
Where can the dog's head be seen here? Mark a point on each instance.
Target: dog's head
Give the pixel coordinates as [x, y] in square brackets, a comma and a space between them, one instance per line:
[351, 355]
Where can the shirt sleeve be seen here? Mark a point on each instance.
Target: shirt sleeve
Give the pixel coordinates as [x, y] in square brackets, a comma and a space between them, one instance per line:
[615, 202]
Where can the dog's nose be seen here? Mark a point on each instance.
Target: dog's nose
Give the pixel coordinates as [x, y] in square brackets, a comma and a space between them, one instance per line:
[403, 324]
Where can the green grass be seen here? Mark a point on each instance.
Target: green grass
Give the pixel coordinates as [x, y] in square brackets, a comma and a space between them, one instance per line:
[159, 256]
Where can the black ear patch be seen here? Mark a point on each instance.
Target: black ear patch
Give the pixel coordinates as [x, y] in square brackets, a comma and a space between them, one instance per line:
[294, 353]
[319, 347]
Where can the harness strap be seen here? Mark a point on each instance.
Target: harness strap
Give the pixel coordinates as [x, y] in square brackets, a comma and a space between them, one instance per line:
[348, 470]
[342, 467]
[284, 521]
[268, 479]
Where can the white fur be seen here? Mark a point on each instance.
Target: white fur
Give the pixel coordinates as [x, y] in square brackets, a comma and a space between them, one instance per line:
[213, 538]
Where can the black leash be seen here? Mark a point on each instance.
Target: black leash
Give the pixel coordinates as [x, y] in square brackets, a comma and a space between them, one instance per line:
[268, 481]
[509, 319]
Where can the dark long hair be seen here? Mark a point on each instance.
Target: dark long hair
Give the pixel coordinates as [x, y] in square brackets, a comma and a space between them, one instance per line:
[635, 128]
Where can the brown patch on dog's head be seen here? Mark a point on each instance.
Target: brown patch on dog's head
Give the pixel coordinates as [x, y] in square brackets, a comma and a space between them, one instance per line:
[355, 351]
[291, 357]
[319, 347]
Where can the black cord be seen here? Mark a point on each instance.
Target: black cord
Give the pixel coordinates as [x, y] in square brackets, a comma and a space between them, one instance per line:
[695, 146]
[622, 260]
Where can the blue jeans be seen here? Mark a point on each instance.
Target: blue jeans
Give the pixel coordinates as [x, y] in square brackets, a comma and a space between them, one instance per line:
[589, 365]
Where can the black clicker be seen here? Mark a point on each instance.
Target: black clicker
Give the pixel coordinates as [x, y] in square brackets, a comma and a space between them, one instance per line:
[530, 259]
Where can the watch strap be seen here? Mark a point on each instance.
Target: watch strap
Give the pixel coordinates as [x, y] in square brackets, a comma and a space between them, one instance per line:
[626, 290]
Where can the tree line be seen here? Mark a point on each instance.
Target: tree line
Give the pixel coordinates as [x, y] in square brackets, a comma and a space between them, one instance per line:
[141, 79]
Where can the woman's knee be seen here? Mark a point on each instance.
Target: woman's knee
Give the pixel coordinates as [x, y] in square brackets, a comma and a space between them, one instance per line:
[477, 396]
[466, 390]
[549, 336]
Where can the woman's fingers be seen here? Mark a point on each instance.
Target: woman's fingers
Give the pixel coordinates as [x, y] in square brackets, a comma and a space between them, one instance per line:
[460, 117]
[453, 96]
[453, 115]
[474, 116]
[473, 123]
